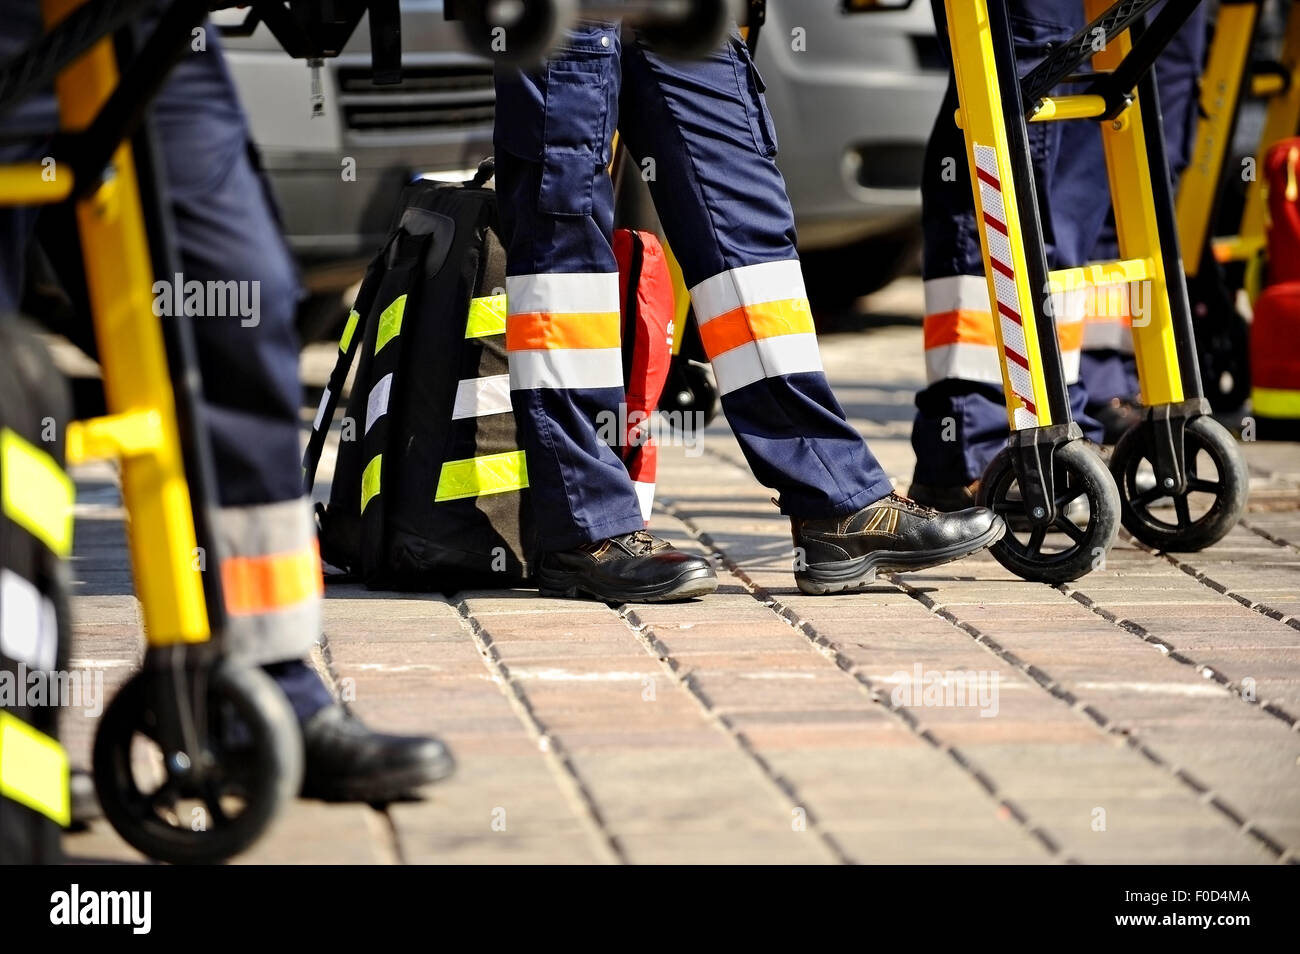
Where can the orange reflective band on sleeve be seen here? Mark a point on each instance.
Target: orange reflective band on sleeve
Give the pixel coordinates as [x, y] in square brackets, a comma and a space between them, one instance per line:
[754, 322]
[263, 584]
[539, 331]
[959, 327]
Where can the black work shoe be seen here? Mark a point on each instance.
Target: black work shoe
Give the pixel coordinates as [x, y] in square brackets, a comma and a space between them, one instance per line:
[943, 498]
[347, 762]
[1116, 416]
[892, 534]
[636, 567]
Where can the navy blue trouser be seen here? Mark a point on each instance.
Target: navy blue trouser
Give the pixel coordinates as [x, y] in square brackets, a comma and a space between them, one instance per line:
[699, 132]
[961, 421]
[226, 230]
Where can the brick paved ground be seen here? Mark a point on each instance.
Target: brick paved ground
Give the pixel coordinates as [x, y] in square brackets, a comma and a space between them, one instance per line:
[1145, 713]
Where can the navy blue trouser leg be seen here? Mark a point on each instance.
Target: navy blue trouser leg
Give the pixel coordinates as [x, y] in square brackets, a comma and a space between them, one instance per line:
[700, 133]
[226, 232]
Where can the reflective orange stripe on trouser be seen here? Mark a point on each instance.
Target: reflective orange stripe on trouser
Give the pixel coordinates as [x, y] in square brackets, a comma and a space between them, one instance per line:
[960, 341]
[1108, 314]
[271, 580]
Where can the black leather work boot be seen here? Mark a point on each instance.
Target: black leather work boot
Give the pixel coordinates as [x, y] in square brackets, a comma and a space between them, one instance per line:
[636, 567]
[839, 553]
[347, 762]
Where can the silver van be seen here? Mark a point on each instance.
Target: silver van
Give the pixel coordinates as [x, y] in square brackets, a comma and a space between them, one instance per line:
[853, 97]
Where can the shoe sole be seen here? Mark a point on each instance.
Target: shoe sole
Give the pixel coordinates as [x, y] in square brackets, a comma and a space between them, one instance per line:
[382, 788]
[844, 575]
[693, 583]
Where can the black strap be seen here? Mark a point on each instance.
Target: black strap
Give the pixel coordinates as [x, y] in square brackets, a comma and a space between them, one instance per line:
[339, 376]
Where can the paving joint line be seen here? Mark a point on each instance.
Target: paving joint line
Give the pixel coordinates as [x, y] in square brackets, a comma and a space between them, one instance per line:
[1270, 537]
[1103, 723]
[786, 790]
[827, 649]
[581, 801]
[330, 673]
[1221, 588]
[1170, 651]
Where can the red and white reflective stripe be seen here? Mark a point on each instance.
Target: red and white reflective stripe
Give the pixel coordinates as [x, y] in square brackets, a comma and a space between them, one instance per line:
[1007, 299]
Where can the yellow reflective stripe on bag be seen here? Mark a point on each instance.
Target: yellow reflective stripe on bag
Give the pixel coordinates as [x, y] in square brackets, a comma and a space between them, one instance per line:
[33, 769]
[390, 323]
[37, 495]
[487, 316]
[349, 330]
[370, 480]
[480, 476]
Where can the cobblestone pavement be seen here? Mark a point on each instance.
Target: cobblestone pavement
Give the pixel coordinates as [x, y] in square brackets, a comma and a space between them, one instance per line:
[1147, 712]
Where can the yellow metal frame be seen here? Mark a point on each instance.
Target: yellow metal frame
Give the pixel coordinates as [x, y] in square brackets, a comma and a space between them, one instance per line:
[1129, 169]
[982, 119]
[1221, 89]
[1129, 172]
[141, 427]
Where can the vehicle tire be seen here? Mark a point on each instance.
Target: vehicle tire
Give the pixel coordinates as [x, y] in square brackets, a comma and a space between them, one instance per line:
[695, 35]
[527, 38]
[836, 278]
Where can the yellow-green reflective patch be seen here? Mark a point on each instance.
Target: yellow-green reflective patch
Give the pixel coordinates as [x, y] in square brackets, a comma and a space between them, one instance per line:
[487, 316]
[33, 769]
[390, 323]
[37, 495]
[370, 481]
[480, 476]
[1275, 402]
[349, 330]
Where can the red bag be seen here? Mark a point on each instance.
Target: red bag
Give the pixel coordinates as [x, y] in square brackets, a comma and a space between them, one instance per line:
[1282, 174]
[646, 289]
[1275, 331]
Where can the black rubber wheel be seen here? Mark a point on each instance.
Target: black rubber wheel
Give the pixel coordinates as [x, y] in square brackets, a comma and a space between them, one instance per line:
[700, 32]
[520, 32]
[1201, 516]
[251, 760]
[1066, 550]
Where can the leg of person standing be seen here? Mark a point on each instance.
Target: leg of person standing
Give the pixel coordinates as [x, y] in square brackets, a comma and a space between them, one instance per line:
[704, 125]
[961, 420]
[227, 233]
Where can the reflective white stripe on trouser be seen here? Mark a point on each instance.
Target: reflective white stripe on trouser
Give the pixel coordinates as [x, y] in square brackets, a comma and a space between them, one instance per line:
[29, 629]
[964, 362]
[1107, 322]
[956, 293]
[645, 495]
[756, 323]
[594, 368]
[562, 331]
[479, 397]
[271, 580]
